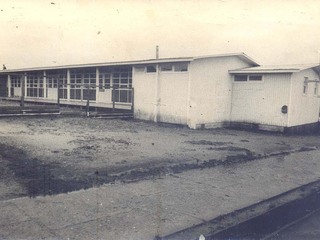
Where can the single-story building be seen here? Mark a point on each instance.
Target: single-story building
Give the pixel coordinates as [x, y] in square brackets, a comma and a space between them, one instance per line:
[200, 92]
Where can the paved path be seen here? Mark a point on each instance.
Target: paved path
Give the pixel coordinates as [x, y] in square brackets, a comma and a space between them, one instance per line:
[145, 209]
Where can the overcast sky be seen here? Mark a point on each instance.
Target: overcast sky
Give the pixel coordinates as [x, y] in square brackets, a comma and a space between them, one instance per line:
[48, 33]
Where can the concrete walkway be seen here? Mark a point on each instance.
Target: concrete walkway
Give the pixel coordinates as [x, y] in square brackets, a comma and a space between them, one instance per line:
[145, 209]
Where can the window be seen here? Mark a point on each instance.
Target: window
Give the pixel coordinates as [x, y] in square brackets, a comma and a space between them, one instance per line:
[255, 77]
[240, 78]
[305, 85]
[35, 84]
[118, 81]
[316, 86]
[16, 81]
[166, 67]
[122, 83]
[181, 67]
[53, 76]
[151, 69]
[139, 68]
[82, 84]
[104, 79]
[245, 78]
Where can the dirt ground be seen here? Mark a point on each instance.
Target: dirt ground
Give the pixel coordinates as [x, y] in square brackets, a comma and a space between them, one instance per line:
[51, 155]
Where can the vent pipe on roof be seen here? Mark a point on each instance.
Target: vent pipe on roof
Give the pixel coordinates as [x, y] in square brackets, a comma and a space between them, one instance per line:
[157, 52]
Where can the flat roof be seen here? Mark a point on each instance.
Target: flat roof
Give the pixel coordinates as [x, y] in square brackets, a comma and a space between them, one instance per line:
[277, 68]
[242, 56]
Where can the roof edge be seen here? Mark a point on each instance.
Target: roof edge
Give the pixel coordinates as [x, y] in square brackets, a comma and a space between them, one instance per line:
[241, 55]
[277, 68]
[104, 64]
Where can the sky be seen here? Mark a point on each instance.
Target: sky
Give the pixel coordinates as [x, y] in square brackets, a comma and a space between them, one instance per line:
[38, 33]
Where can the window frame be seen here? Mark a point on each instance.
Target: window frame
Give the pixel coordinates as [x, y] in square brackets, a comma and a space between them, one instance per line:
[167, 69]
[151, 65]
[181, 70]
[248, 81]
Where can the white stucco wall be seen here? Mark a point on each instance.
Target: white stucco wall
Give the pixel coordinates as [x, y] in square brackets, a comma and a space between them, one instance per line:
[210, 90]
[165, 101]
[104, 96]
[173, 95]
[261, 102]
[17, 92]
[304, 108]
[144, 85]
[52, 93]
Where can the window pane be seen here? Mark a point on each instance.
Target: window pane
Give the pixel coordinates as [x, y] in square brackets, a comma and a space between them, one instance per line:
[139, 69]
[255, 78]
[240, 78]
[181, 67]
[151, 68]
[123, 96]
[166, 67]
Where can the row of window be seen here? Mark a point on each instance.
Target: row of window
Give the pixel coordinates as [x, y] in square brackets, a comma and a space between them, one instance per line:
[247, 78]
[107, 78]
[165, 67]
[120, 77]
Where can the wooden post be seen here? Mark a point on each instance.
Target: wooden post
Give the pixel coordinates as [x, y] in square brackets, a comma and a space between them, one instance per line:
[22, 89]
[88, 102]
[58, 89]
[132, 100]
[113, 99]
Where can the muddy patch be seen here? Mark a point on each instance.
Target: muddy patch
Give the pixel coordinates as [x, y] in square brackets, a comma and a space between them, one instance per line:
[208, 143]
[40, 178]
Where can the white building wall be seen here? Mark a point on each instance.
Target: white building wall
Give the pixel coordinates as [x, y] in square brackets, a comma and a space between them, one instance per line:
[104, 96]
[261, 102]
[17, 92]
[144, 85]
[173, 95]
[211, 90]
[52, 93]
[165, 102]
[304, 108]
